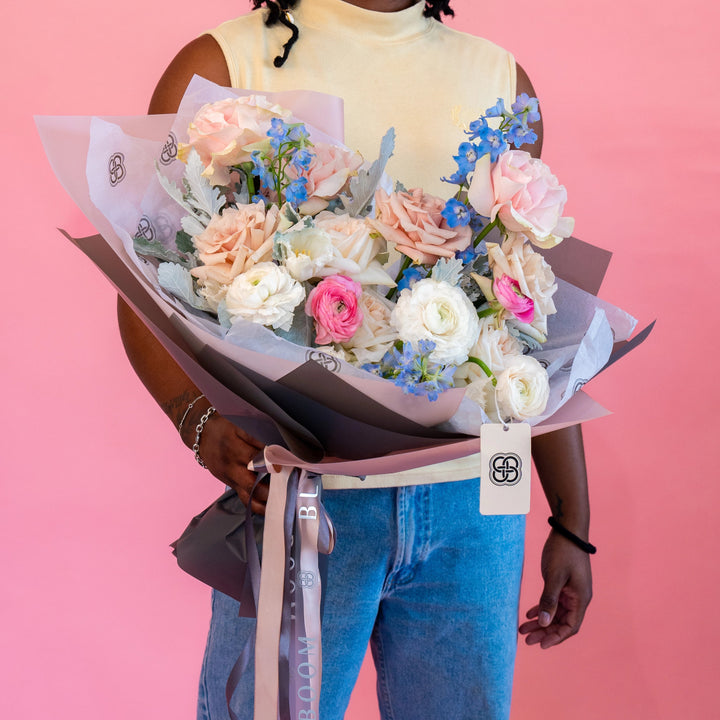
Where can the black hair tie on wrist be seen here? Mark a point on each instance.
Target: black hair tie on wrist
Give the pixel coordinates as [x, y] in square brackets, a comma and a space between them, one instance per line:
[587, 547]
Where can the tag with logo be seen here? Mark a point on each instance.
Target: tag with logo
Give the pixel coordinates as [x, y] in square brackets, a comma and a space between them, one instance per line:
[505, 469]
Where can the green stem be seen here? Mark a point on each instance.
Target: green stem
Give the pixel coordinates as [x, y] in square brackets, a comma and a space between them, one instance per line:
[484, 232]
[487, 312]
[403, 267]
[484, 368]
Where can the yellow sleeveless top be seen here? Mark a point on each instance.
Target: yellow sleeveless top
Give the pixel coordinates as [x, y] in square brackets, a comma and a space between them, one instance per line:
[396, 69]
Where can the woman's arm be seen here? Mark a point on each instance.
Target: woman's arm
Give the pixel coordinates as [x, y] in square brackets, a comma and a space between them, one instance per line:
[225, 449]
[560, 462]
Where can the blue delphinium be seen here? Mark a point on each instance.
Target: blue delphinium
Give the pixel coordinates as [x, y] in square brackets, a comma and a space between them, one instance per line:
[413, 371]
[485, 140]
[456, 213]
[528, 106]
[520, 135]
[302, 159]
[278, 132]
[410, 276]
[296, 192]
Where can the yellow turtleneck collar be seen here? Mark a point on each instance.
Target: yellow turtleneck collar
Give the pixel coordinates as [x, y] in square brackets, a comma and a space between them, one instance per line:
[342, 17]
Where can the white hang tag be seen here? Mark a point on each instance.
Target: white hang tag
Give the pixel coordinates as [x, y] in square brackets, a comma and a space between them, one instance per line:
[505, 469]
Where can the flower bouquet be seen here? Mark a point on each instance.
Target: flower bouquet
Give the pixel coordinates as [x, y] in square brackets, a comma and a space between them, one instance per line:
[320, 306]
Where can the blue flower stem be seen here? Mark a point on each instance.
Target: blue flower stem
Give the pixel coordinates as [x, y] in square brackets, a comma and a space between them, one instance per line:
[403, 267]
[484, 368]
[484, 232]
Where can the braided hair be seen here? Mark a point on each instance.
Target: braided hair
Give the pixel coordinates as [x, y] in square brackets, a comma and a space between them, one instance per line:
[279, 12]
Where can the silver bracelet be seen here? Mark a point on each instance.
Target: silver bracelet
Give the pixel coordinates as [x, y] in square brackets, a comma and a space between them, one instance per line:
[187, 410]
[198, 432]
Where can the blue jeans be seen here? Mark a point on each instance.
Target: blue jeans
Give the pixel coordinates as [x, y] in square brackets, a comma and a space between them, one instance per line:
[429, 582]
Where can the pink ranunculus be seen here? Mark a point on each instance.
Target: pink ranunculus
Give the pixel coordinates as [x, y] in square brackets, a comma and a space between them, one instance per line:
[507, 292]
[524, 193]
[334, 304]
[329, 171]
[413, 221]
[220, 131]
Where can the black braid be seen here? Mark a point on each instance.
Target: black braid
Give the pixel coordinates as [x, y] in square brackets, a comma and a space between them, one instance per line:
[437, 8]
[278, 13]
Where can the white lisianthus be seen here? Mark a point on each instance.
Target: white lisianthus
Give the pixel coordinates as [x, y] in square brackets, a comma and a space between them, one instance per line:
[305, 252]
[375, 335]
[333, 245]
[440, 312]
[522, 388]
[516, 258]
[266, 294]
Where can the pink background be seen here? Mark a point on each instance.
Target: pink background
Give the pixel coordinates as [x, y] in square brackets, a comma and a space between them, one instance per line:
[97, 619]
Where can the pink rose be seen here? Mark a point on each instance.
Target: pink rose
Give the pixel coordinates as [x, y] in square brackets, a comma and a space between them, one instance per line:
[220, 131]
[235, 241]
[526, 196]
[507, 292]
[413, 221]
[329, 171]
[334, 304]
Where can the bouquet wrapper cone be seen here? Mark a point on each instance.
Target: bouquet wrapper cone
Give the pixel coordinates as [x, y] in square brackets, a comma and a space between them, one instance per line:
[312, 421]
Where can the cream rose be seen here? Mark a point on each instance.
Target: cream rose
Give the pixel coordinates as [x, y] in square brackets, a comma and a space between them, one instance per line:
[413, 221]
[265, 294]
[332, 245]
[233, 242]
[524, 193]
[522, 388]
[375, 335]
[440, 312]
[221, 131]
[516, 258]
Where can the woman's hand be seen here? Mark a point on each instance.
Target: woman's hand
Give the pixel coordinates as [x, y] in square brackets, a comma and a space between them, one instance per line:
[567, 592]
[227, 451]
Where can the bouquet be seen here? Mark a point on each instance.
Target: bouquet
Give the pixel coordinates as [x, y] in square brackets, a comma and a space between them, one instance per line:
[320, 306]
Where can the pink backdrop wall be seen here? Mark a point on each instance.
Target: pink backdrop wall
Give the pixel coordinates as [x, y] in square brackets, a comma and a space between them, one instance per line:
[97, 620]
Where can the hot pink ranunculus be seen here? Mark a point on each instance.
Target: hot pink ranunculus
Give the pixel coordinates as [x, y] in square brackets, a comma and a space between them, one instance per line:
[334, 304]
[507, 292]
[220, 131]
[329, 171]
[413, 221]
[524, 193]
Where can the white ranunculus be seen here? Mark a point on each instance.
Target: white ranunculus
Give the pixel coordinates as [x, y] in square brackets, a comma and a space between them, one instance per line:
[516, 258]
[375, 336]
[440, 312]
[265, 294]
[522, 388]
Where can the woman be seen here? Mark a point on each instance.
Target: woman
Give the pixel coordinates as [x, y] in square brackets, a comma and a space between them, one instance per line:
[416, 570]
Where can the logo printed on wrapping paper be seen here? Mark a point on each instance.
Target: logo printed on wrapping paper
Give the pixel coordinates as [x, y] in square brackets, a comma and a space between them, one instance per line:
[163, 228]
[578, 384]
[306, 579]
[169, 151]
[327, 361]
[545, 363]
[145, 229]
[505, 469]
[116, 168]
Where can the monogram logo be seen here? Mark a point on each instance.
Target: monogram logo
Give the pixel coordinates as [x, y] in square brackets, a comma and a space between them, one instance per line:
[327, 361]
[505, 469]
[578, 384]
[116, 168]
[306, 579]
[544, 362]
[145, 229]
[169, 151]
